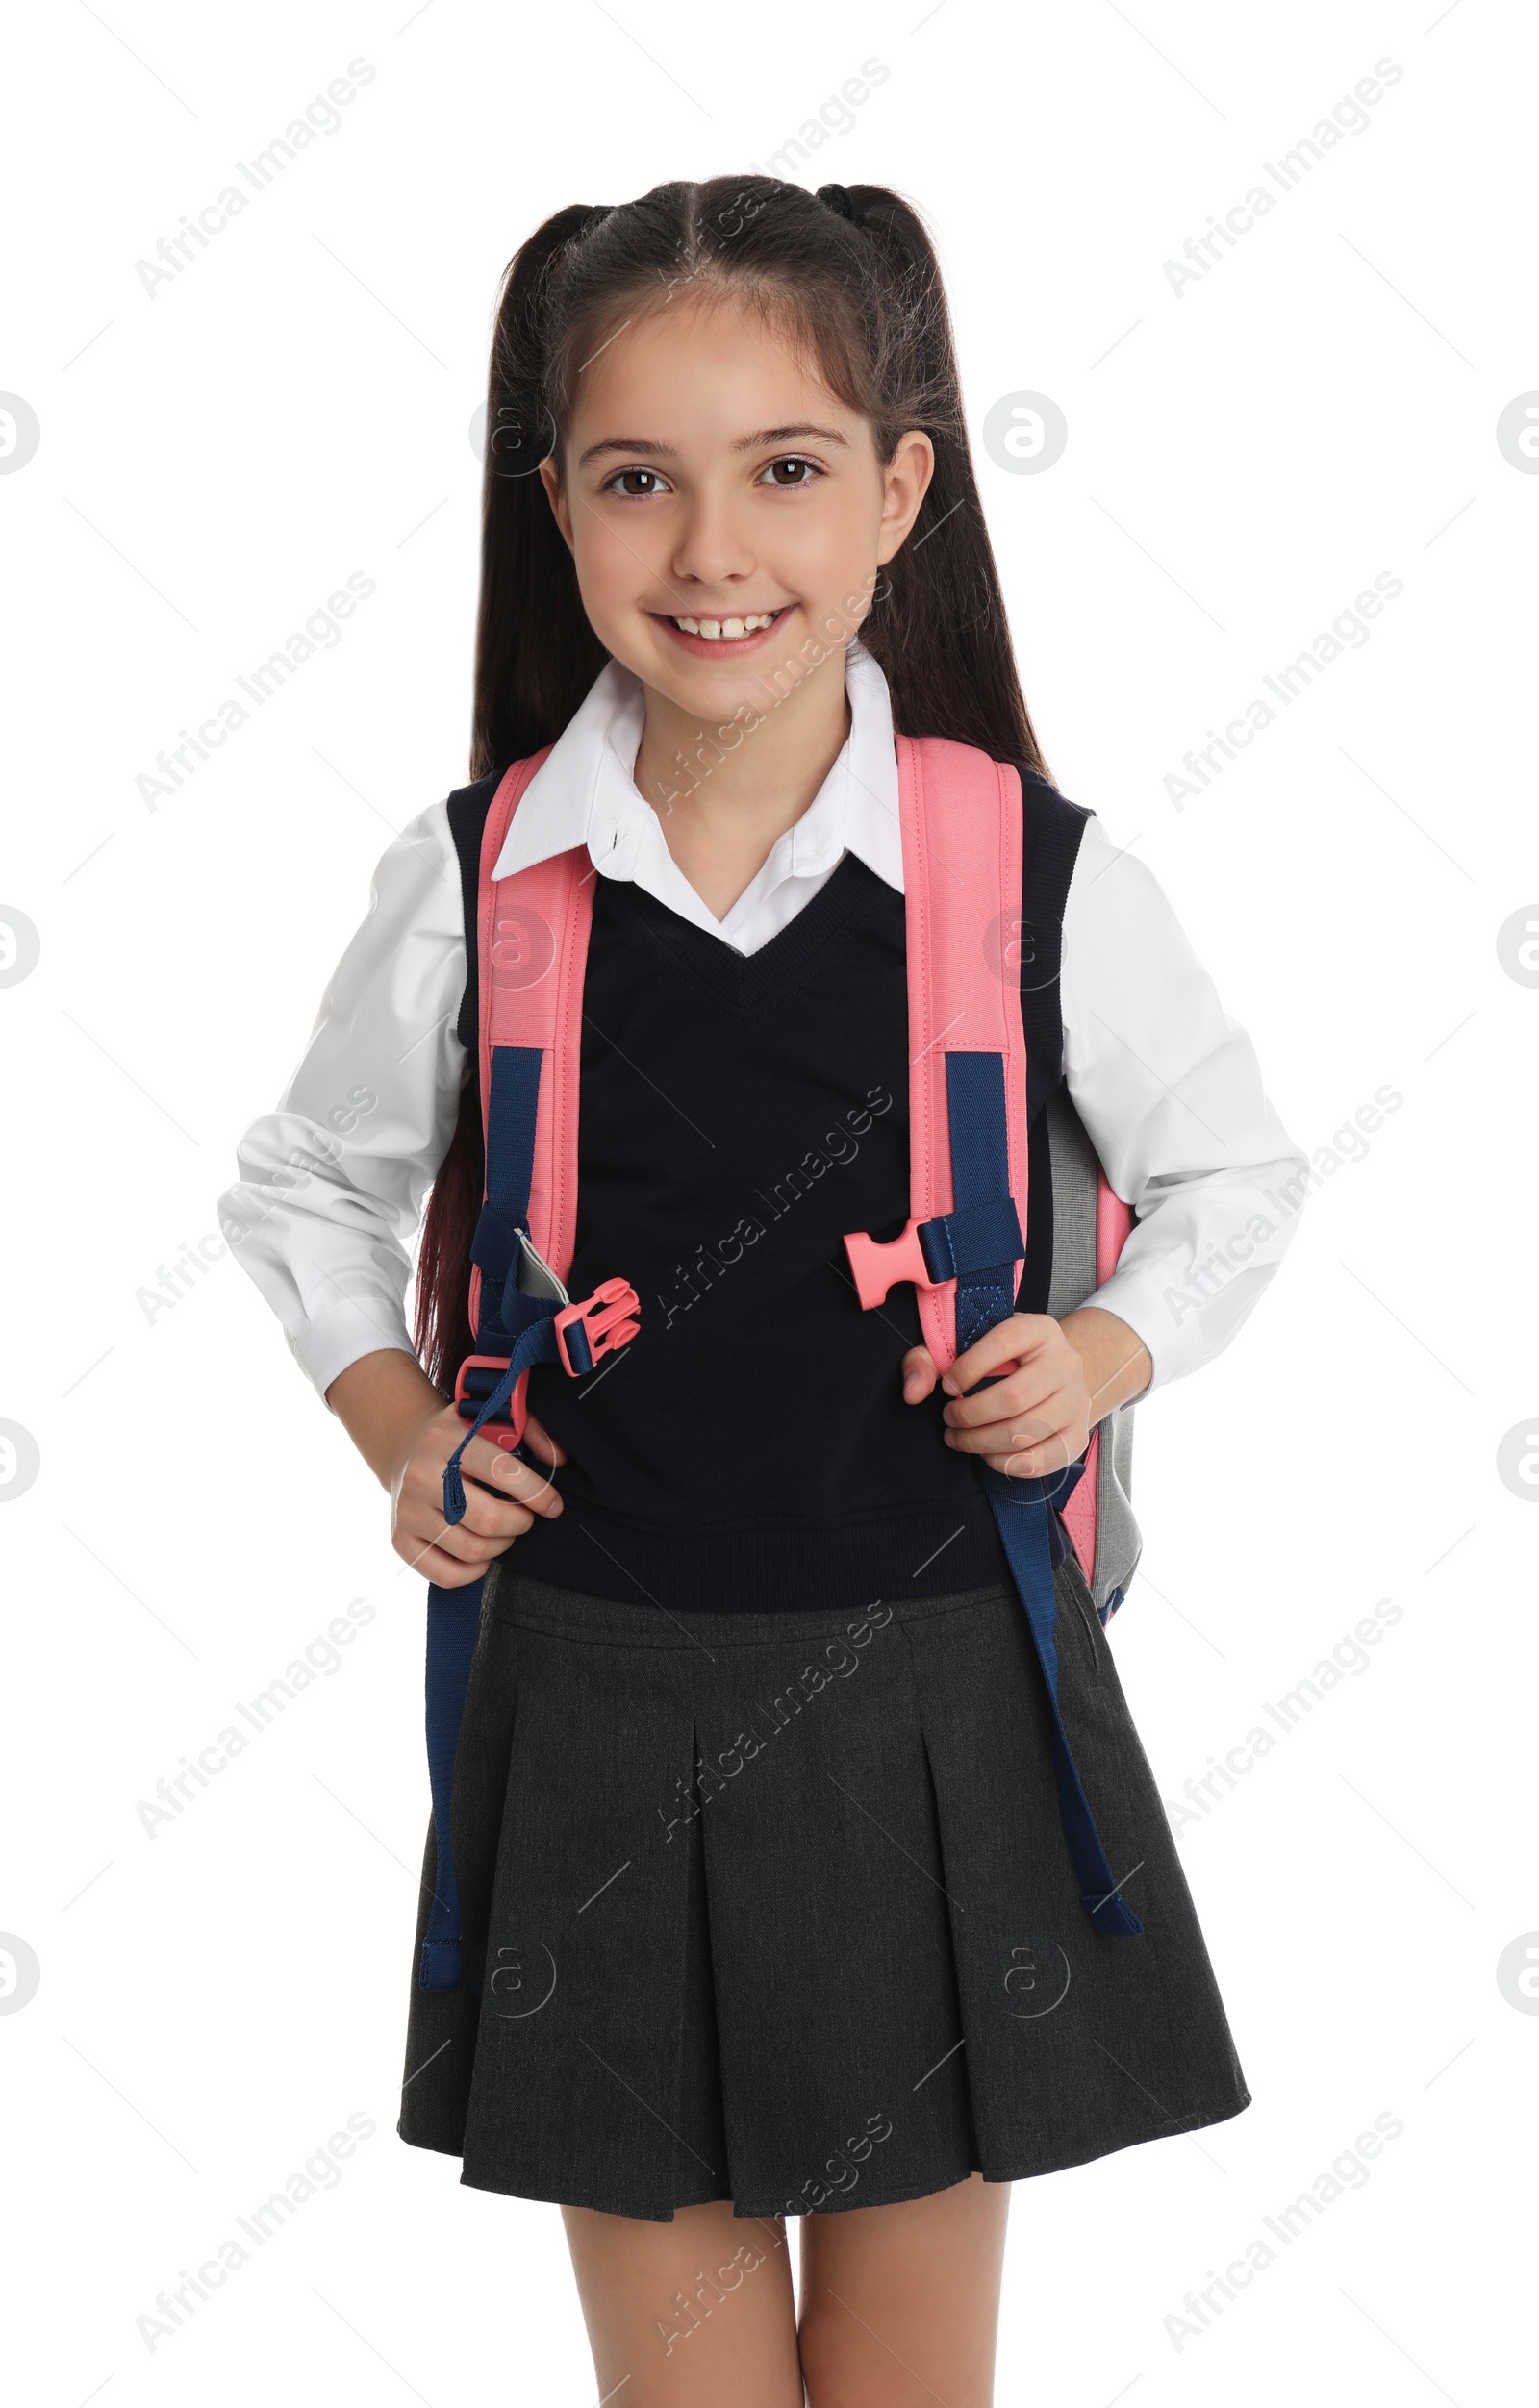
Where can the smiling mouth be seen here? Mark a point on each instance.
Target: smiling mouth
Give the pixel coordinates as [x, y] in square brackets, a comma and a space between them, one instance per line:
[740, 628]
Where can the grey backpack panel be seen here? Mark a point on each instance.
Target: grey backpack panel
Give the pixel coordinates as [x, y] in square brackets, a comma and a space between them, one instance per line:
[1076, 1177]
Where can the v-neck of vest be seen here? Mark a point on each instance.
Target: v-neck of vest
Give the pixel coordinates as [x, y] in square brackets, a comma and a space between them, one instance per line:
[746, 980]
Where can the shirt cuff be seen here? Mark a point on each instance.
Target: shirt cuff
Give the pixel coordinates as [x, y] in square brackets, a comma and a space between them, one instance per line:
[343, 1334]
[1180, 1328]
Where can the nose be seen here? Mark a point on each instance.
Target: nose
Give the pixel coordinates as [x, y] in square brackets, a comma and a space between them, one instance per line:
[712, 548]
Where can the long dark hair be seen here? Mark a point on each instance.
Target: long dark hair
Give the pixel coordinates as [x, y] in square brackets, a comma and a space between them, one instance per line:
[851, 283]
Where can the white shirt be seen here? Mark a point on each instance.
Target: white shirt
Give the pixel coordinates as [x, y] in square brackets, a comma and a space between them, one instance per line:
[333, 1183]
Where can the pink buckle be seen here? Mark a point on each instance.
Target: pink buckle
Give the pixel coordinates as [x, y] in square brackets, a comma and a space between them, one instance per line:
[504, 1434]
[879, 1267]
[606, 1319]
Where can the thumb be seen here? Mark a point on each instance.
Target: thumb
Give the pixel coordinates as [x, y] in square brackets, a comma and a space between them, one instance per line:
[919, 1374]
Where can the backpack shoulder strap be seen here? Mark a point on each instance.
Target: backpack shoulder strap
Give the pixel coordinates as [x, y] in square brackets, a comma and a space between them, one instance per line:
[963, 824]
[1099, 1220]
[526, 949]
[1053, 829]
[529, 930]
[468, 808]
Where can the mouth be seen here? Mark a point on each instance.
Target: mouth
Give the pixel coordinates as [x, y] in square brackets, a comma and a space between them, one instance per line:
[730, 636]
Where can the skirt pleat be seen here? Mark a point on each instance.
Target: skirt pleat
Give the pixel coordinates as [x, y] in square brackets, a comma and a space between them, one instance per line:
[777, 1908]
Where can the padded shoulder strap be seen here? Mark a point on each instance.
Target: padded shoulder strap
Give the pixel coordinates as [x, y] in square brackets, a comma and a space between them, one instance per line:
[961, 822]
[532, 949]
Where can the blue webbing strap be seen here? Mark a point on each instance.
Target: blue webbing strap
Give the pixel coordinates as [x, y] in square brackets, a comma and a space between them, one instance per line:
[536, 1344]
[453, 1615]
[1021, 1508]
[980, 1179]
[512, 1107]
[980, 1176]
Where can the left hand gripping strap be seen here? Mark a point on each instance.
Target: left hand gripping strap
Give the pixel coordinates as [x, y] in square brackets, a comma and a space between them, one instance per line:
[536, 1344]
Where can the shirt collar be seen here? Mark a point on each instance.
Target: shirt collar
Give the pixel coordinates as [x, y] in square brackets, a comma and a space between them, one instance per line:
[584, 793]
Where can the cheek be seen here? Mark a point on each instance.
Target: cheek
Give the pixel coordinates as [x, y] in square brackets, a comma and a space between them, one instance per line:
[615, 570]
[830, 559]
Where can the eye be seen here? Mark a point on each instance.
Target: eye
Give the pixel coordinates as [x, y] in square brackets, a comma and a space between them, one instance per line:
[650, 482]
[794, 461]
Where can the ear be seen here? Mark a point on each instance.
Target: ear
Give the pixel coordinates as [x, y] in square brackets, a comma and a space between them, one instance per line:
[906, 481]
[550, 478]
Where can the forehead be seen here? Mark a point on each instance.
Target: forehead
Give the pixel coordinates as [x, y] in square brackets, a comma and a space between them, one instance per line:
[696, 373]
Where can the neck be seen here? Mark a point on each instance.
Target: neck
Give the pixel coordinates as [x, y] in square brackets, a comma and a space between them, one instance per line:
[722, 809]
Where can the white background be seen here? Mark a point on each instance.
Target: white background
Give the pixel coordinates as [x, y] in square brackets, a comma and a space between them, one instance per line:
[1242, 461]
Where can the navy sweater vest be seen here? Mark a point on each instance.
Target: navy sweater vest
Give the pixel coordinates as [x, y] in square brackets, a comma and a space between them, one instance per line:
[738, 1114]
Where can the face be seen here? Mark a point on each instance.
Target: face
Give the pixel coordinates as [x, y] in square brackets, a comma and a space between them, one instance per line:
[727, 516]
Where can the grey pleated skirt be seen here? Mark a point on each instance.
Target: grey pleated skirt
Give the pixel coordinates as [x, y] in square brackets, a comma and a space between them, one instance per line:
[777, 1908]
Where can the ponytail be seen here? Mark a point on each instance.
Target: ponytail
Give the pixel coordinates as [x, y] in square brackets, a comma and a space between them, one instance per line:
[938, 625]
[535, 654]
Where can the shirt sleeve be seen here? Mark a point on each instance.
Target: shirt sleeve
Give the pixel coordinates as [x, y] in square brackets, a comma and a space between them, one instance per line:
[1169, 1093]
[331, 1183]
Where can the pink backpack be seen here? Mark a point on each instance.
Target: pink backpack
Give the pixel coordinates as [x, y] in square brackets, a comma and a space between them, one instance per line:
[964, 1246]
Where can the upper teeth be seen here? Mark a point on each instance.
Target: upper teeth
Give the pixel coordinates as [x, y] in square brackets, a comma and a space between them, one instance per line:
[730, 627]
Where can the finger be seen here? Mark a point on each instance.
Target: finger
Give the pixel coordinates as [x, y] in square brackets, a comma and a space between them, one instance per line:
[920, 1374]
[495, 1469]
[1026, 1389]
[998, 1438]
[497, 1490]
[486, 1522]
[435, 1563]
[551, 1448]
[1033, 1463]
[1055, 1417]
[1000, 1348]
[424, 1531]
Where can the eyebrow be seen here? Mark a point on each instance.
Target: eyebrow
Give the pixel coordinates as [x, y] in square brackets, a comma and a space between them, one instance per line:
[746, 443]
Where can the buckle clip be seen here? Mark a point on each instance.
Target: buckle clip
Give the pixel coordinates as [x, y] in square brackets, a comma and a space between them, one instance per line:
[876, 1268]
[471, 1394]
[606, 1319]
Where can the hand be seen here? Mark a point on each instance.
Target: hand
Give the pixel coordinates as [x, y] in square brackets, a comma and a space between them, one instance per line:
[1054, 1381]
[495, 1512]
[405, 1434]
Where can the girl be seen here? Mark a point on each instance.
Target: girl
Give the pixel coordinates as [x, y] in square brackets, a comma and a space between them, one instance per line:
[762, 1847]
